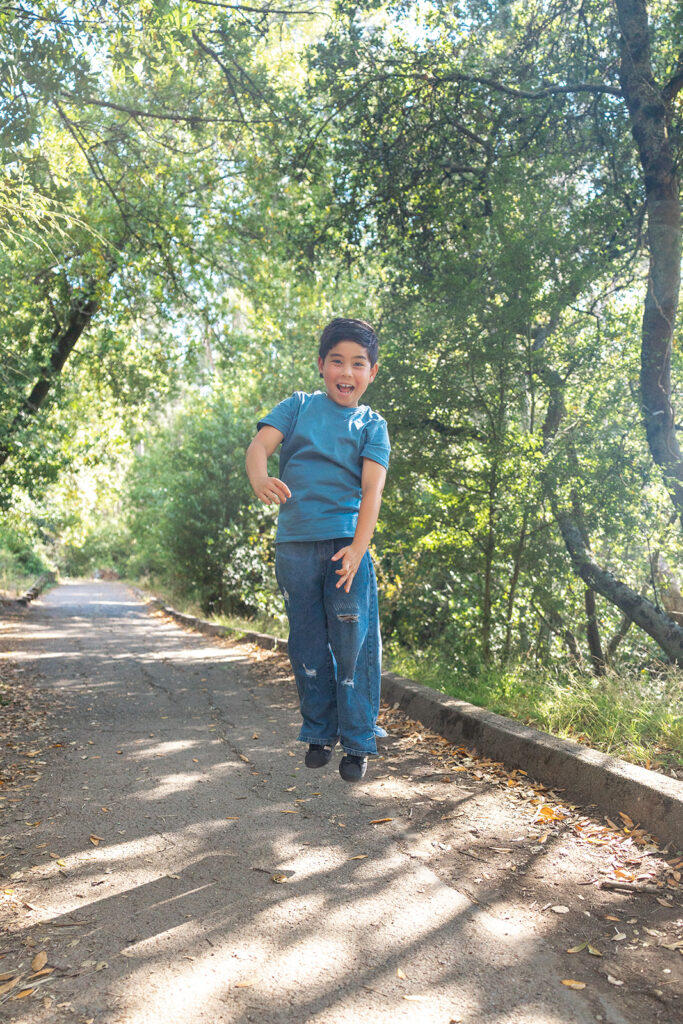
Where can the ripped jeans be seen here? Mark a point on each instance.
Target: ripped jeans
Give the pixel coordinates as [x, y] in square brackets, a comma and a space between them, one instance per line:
[334, 644]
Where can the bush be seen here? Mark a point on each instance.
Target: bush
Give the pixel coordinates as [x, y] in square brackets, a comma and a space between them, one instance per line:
[191, 518]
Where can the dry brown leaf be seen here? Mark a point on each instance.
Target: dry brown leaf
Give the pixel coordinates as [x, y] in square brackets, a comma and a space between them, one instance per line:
[234, 817]
[243, 984]
[547, 813]
[278, 878]
[577, 949]
[22, 995]
[255, 736]
[95, 840]
[380, 821]
[359, 856]
[593, 951]
[244, 758]
[41, 974]
[400, 974]
[39, 961]
[571, 983]
[9, 985]
[626, 820]
[664, 903]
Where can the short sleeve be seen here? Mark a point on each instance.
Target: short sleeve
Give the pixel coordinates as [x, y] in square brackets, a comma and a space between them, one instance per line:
[375, 444]
[284, 415]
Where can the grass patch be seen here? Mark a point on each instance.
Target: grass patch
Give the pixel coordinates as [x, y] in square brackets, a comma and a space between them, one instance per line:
[633, 715]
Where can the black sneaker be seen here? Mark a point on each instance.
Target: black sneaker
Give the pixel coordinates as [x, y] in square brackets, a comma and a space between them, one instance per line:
[352, 767]
[317, 756]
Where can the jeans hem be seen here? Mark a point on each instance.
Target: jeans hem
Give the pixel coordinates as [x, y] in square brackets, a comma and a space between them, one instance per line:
[358, 753]
[331, 742]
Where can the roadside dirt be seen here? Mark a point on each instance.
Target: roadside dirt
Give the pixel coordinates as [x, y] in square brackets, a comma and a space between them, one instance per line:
[165, 856]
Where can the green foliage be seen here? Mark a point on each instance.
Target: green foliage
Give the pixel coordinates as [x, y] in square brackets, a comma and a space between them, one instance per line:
[189, 518]
[629, 713]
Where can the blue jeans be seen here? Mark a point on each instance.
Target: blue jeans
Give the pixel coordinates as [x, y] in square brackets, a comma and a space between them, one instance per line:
[334, 644]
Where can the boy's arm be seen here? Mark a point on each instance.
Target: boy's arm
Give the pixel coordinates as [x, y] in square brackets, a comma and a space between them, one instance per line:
[267, 488]
[373, 476]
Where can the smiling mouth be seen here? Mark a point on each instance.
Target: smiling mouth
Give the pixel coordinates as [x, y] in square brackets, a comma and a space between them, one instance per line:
[346, 389]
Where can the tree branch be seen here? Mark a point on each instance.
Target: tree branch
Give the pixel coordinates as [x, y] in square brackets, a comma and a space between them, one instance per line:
[136, 112]
[527, 94]
[675, 83]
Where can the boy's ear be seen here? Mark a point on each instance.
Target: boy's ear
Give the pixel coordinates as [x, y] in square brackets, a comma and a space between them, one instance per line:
[320, 365]
[373, 372]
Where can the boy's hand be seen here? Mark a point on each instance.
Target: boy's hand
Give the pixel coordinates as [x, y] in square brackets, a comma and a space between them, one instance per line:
[351, 559]
[271, 490]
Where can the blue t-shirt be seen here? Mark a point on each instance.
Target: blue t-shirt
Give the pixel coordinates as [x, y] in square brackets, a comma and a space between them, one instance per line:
[321, 461]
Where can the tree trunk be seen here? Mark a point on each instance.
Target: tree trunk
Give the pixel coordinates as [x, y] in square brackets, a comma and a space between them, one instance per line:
[667, 633]
[650, 109]
[593, 634]
[63, 342]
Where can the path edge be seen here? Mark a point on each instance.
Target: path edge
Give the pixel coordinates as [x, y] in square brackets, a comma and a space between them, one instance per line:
[653, 801]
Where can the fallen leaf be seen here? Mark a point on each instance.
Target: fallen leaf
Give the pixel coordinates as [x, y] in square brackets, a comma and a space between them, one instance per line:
[244, 758]
[278, 878]
[593, 951]
[577, 949]
[614, 981]
[39, 961]
[233, 818]
[547, 813]
[571, 983]
[626, 820]
[243, 984]
[359, 856]
[102, 965]
[664, 903]
[400, 974]
[9, 985]
[255, 736]
[380, 821]
[26, 992]
[560, 909]
[415, 999]
[95, 840]
[289, 812]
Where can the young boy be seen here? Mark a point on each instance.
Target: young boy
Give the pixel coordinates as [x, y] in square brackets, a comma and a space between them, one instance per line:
[333, 465]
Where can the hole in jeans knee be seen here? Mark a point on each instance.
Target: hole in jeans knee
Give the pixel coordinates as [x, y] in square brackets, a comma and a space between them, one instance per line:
[347, 682]
[346, 617]
[310, 672]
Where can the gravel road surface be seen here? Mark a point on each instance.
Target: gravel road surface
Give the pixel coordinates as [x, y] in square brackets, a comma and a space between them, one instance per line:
[165, 847]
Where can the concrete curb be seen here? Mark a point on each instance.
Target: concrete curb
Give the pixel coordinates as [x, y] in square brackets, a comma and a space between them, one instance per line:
[32, 593]
[653, 801]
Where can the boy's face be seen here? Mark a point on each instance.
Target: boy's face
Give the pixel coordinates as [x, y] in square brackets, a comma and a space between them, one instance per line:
[347, 372]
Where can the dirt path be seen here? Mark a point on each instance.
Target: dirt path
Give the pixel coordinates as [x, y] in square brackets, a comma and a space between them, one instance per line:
[164, 846]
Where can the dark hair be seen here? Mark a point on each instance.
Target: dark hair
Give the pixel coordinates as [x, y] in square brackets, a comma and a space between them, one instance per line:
[342, 329]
